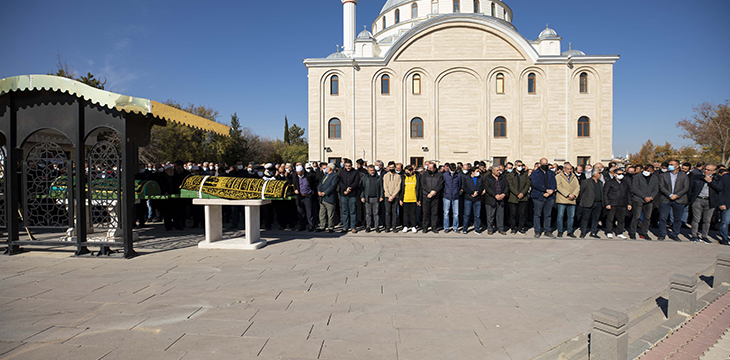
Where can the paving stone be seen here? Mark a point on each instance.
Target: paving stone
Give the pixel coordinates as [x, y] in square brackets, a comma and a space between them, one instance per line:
[243, 347]
[291, 348]
[136, 354]
[351, 350]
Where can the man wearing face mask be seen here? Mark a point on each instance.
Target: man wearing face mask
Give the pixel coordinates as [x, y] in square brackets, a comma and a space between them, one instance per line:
[519, 187]
[473, 189]
[391, 193]
[544, 186]
[704, 201]
[591, 201]
[674, 186]
[304, 188]
[349, 194]
[327, 191]
[464, 173]
[645, 187]
[452, 191]
[431, 186]
[497, 190]
[568, 192]
[617, 196]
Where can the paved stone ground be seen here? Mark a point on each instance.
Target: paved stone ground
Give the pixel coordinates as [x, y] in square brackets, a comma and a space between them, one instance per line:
[362, 296]
[695, 337]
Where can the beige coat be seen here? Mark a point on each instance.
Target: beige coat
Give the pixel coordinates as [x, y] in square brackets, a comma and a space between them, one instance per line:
[567, 187]
[391, 185]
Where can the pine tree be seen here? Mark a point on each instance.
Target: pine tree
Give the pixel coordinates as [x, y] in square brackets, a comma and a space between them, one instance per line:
[286, 131]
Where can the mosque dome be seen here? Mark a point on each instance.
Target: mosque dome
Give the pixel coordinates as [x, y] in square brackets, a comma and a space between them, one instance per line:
[392, 3]
[365, 35]
[337, 55]
[572, 52]
[547, 34]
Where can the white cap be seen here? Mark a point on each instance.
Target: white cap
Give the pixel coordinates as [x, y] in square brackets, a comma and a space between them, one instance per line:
[268, 166]
[299, 168]
[168, 166]
[308, 166]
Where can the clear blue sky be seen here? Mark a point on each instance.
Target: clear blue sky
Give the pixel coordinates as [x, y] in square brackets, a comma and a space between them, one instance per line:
[246, 56]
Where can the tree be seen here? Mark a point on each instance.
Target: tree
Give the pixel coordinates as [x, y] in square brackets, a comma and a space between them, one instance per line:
[709, 127]
[286, 131]
[64, 70]
[296, 136]
[645, 155]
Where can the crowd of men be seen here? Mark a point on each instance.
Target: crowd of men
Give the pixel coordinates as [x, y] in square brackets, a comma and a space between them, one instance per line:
[556, 200]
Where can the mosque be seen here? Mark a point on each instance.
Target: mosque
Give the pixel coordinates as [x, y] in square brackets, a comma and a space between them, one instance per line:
[453, 80]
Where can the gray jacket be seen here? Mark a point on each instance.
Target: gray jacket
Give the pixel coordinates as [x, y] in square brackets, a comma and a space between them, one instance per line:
[588, 193]
[681, 188]
[643, 189]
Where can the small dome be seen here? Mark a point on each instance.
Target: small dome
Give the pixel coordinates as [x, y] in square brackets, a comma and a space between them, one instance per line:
[337, 55]
[547, 33]
[365, 35]
[573, 52]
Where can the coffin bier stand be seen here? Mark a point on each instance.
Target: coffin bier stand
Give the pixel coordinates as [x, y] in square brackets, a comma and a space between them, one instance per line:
[214, 224]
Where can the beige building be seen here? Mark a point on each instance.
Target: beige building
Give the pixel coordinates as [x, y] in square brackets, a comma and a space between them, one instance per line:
[453, 80]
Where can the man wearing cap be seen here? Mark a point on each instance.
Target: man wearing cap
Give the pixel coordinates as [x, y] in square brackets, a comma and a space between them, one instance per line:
[327, 191]
[268, 210]
[304, 189]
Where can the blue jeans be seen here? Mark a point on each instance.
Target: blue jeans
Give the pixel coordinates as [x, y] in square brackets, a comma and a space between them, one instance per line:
[665, 210]
[476, 207]
[571, 216]
[724, 224]
[349, 216]
[543, 211]
[452, 205]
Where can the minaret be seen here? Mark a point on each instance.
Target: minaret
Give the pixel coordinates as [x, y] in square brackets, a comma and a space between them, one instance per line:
[349, 19]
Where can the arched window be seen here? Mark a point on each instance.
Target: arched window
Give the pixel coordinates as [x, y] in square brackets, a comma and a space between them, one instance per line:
[335, 129]
[414, 11]
[434, 6]
[385, 85]
[397, 16]
[584, 127]
[416, 84]
[500, 127]
[384, 23]
[456, 6]
[417, 128]
[583, 83]
[494, 10]
[334, 85]
[476, 6]
[531, 83]
[500, 83]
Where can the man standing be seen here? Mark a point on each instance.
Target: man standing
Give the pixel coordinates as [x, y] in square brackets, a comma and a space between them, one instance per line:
[371, 195]
[519, 185]
[452, 190]
[304, 184]
[543, 197]
[349, 189]
[327, 191]
[410, 198]
[645, 187]
[431, 186]
[568, 191]
[703, 202]
[617, 196]
[391, 192]
[591, 200]
[473, 188]
[497, 190]
[674, 185]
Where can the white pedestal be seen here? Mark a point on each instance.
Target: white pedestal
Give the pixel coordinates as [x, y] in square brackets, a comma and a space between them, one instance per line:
[214, 224]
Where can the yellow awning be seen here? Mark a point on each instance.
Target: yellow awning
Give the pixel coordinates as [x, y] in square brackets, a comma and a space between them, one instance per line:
[111, 100]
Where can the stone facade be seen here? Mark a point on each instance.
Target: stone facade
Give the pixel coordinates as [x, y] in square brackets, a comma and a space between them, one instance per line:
[459, 58]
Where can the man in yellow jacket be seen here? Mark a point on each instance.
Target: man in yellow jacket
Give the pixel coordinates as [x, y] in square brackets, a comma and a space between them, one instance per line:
[568, 191]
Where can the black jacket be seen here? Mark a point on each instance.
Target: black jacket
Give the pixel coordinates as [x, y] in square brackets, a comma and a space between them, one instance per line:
[643, 189]
[698, 182]
[369, 181]
[311, 180]
[490, 184]
[588, 193]
[615, 193]
[722, 186]
[431, 182]
[350, 179]
[467, 185]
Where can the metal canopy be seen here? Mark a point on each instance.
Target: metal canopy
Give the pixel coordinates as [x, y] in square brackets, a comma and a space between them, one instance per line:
[110, 100]
[32, 105]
